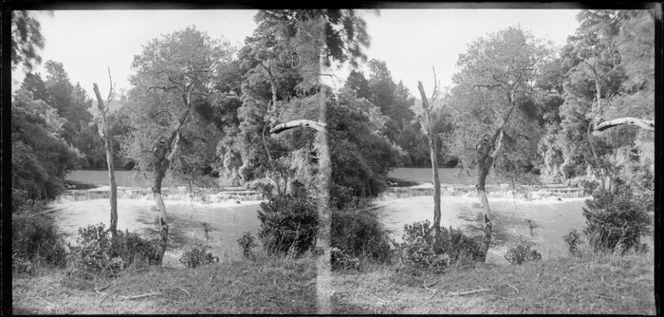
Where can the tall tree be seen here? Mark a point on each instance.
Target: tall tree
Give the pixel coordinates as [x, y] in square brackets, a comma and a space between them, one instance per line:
[493, 108]
[173, 74]
[71, 102]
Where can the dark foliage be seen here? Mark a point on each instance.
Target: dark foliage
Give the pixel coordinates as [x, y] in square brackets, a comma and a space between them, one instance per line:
[615, 219]
[288, 222]
[423, 251]
[247, 243]
[522, 252]
[573, 240]
[35, 239]
[359, 233]
[98, 252]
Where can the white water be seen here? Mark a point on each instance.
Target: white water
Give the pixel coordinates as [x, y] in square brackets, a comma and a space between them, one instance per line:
[226, 220]
[229, 213]
[553, 218]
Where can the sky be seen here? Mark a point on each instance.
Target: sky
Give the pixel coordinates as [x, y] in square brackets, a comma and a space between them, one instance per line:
[410, 41]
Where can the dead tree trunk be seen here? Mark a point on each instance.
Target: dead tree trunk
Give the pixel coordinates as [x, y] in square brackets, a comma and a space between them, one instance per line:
[433, 151]
[105, 133]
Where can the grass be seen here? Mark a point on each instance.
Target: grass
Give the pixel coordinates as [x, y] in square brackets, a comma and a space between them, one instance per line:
[588, 284]
[273, 285]
[592, 284]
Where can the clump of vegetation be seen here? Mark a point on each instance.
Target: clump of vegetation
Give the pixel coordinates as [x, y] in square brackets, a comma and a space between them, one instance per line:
[342, 260]
[98, 252]
[522, 252]
[615, 220]
[247, 244]
[35, 241]
[198, 256]
[359, 233]
[573, 239]
[288, 222]
[423, 251]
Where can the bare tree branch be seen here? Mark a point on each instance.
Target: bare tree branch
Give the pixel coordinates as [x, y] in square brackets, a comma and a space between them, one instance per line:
[111, 89]
[162, 88]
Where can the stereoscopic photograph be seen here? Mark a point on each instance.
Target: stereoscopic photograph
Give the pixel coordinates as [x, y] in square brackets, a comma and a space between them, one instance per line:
[395, 159]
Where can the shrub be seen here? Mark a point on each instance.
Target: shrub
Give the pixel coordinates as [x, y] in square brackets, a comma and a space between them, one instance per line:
[521, 252]
[341, 260]
[197, 256]
[615, 220]
[246, 243]
[288, 222]
[423, 252]
[35, 240]
[98, 252]
[573, 240]
[360, 234]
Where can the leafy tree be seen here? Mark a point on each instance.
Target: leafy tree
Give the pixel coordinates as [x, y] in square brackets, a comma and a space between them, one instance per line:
[71, 102]
[34, 84]
[40, 158]
[607, 79]
[174, 77]
[27, 40]
[494, 107]
[358, 83]
[393, 99]
[361, 156]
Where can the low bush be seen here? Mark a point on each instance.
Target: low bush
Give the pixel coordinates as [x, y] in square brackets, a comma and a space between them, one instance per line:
[247, 244]
[615, 220]
[573, 239]
[289, 222]
[98, 252]
[423, 251]
[359, 233]
[342, 260]
[522, 252]
[197, 256]
[35, 241]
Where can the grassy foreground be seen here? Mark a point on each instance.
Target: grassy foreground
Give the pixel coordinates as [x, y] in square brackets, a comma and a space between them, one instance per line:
[592, 284]
[272, 286]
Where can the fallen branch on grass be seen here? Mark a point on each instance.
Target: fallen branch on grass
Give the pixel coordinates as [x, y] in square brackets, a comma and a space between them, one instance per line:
[607, 284]
[468, 292]
[47, 302]
[140, 296]
[106, 296]
[515, 289]
[432, 295]
[380, 299]
[184, 290]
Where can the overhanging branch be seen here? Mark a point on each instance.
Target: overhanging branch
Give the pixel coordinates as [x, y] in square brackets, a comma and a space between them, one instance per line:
[641, 123]
[318, 126]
